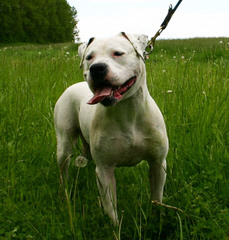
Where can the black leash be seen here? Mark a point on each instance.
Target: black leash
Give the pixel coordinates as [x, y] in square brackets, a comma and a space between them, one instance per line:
[151, 43]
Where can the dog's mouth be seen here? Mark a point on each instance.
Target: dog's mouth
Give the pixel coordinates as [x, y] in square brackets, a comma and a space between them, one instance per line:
[108, 95]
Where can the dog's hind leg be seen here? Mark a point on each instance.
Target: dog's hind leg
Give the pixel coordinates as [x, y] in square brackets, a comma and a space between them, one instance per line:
[157, 177]
[65, 143]
[66, 132]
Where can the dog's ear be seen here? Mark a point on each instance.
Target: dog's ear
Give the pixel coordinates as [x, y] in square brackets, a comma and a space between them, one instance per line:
[82, 50]
[139, 42]
[82, 47]
[142, 41]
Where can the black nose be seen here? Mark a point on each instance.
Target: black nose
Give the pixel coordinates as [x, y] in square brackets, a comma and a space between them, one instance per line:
[98, 71]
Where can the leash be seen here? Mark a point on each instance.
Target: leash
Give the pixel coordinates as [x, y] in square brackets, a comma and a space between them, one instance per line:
[151, 43]
[169, 15]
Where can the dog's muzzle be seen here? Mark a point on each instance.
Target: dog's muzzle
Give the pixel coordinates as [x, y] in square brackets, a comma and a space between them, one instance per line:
[104, 92]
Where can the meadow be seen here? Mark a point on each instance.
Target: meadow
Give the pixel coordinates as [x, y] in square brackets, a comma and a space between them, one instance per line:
[189, 80]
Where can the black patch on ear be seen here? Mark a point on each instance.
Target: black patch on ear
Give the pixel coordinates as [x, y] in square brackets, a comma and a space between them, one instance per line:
[90, 41]
[124, 35]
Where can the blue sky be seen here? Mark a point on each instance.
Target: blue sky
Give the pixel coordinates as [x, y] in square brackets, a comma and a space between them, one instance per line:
[193, 18]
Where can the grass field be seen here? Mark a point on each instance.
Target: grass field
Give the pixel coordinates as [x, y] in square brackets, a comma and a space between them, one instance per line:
[189, 79]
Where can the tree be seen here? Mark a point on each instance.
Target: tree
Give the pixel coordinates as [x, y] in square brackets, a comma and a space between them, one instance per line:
[10, 21]
[41, 21]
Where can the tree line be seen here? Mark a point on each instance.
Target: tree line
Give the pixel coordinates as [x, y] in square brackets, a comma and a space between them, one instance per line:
[41, 21]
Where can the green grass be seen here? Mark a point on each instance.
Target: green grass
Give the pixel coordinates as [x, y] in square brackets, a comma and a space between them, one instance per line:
[189, 79]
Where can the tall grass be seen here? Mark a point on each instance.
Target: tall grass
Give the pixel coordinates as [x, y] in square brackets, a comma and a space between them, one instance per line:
[189, 79]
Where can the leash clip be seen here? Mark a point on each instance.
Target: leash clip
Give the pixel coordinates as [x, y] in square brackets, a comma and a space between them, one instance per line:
[151, 43]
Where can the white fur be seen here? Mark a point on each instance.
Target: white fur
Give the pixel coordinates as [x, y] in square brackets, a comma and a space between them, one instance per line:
[121, 135]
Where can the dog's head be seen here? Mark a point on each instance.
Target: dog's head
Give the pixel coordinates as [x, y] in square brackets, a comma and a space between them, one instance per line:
[113, 67]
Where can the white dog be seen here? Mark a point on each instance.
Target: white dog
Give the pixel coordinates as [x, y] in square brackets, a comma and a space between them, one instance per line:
[113, 113]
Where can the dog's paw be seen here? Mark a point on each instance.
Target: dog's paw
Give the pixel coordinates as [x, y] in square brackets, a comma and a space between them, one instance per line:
[81, 161]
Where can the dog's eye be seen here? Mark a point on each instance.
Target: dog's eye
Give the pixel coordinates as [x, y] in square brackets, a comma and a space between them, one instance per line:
[118, 54]
[89, 57]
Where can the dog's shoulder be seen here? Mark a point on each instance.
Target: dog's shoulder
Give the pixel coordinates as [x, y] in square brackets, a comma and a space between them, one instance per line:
[77, 91]
[74, 95]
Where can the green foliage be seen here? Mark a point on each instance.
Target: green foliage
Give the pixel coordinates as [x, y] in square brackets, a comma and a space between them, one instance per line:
[189, 81]
[41, 21]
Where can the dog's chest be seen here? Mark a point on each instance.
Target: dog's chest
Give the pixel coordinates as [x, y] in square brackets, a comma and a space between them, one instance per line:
[121, 147]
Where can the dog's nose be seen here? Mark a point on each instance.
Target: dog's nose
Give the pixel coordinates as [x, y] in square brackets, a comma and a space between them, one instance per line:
[98, 70]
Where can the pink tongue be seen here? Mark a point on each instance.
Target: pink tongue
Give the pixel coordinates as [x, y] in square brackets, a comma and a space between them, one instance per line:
[100, 95]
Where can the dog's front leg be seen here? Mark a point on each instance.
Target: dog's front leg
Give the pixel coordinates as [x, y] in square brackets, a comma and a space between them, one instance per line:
[107, 188]
[157, 177]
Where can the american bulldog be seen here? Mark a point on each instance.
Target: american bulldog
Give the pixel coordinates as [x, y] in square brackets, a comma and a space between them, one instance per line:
[114, 115]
